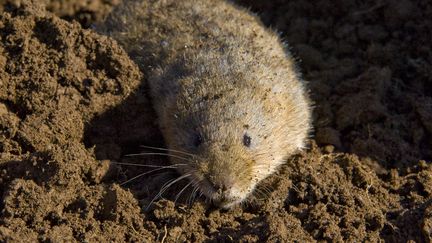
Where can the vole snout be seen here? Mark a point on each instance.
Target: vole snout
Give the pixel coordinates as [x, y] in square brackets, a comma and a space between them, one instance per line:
[226, 195]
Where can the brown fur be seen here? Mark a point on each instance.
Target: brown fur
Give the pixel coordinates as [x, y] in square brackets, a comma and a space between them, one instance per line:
[214, 71]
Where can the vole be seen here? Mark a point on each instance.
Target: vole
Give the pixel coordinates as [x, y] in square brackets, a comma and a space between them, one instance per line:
[226, 91]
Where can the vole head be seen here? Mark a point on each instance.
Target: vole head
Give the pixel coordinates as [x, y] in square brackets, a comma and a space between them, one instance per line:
[236, 139]
[227, 159]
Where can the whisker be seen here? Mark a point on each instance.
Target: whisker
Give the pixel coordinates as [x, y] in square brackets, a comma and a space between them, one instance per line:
[193, 188]
[165, 184]
[151, 166]
[258, 193]
[295, 188]
[262, 194]
[164, 154]
[143, 174]
[172, 183]
[157, 195]
[249, 203]
[193, 193]
[165, 149]
[267, 190]
[184, 188]
[190, 198]
[165, 187]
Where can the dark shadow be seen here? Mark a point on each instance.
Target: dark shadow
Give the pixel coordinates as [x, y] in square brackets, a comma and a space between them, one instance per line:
[397, 222]
[122, 129]
[118, 134]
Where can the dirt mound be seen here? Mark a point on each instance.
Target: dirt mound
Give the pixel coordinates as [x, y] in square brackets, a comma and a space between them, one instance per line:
[56, 77]
[85, 12]
[72, 105]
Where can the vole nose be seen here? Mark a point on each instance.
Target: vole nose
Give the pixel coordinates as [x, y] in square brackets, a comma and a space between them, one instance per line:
[222, 197]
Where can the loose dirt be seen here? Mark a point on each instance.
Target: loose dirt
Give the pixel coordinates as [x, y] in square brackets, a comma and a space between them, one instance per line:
[73, 105]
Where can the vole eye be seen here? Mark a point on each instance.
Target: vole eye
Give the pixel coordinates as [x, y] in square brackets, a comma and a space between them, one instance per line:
[197, 140]
[247, 140]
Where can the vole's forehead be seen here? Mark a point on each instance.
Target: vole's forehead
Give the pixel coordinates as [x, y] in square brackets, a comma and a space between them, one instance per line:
[235, 115]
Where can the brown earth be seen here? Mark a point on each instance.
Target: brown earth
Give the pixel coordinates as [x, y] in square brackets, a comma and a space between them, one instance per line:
[72, 105]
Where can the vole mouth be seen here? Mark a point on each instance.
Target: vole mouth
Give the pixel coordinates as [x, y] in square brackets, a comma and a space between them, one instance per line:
[220, 196]
[225, 202]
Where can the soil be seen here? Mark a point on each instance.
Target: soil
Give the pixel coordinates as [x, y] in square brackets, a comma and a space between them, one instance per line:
[73, 106]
